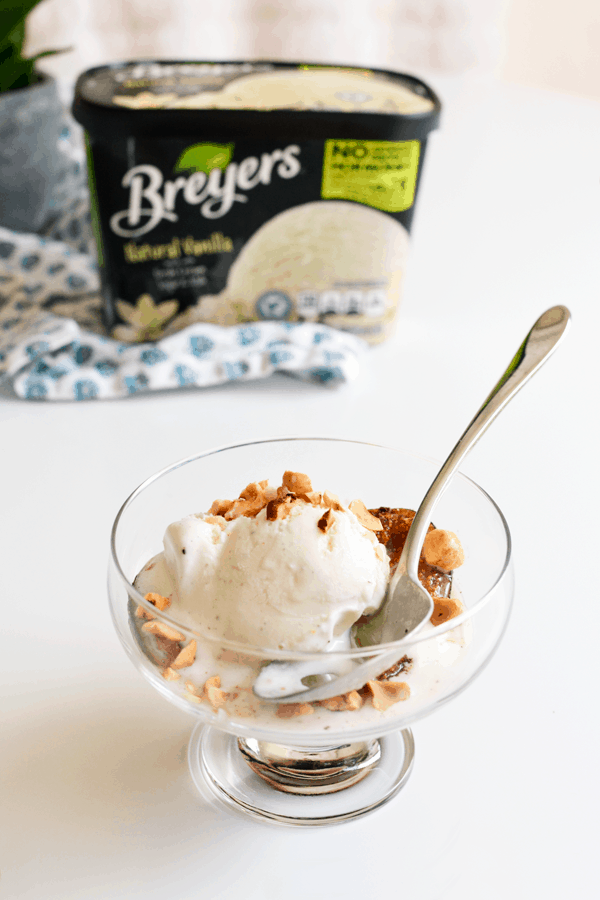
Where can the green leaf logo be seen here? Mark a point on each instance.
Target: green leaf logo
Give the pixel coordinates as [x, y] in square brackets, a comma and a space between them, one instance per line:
[204, 157]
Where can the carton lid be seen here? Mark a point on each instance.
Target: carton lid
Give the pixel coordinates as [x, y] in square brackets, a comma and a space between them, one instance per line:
[264, 98]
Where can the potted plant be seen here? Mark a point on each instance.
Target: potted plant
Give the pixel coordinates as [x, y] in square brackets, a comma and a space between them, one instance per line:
[31, 124]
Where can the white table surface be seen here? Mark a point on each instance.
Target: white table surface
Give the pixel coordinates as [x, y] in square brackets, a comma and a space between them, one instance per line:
[97, 801]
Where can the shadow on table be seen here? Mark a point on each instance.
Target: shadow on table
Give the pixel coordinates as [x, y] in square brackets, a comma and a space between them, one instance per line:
[92, 782]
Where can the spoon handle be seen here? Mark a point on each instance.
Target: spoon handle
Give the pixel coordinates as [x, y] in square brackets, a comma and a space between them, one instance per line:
[539, 344]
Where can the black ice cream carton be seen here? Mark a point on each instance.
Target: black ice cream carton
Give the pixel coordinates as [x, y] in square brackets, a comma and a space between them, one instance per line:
[242, 191]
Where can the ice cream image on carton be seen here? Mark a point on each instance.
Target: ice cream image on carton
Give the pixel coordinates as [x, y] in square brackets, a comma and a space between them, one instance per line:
[238, 192]
[336, 262]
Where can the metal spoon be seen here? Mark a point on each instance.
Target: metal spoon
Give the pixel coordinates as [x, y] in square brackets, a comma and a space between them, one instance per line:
[407, 605]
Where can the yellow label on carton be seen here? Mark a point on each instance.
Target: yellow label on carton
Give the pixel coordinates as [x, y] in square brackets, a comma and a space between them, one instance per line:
[382, 174]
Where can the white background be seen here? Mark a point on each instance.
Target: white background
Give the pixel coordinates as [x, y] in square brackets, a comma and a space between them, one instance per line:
[544, 43]
[96, 798]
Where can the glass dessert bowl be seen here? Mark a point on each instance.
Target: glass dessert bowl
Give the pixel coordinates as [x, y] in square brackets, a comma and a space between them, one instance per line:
[293, 762]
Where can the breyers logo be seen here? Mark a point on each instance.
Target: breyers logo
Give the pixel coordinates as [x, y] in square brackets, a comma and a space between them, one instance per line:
[213, 185]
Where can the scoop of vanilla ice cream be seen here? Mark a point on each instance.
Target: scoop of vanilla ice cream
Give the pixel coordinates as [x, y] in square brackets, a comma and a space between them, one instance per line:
[281, 584]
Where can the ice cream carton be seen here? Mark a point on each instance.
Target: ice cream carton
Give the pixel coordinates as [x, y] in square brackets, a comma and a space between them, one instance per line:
[236, 192]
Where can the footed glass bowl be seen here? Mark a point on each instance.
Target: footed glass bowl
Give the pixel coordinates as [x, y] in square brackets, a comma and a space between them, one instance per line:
[319, 763]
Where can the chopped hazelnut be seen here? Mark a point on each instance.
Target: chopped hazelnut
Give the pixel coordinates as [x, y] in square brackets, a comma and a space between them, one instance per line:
[354, 700]
[245, 508]
[331, 500]
[279, 508]
[251, 491]
[160, 628]
[217, 520]
[364, 516]
[186, 657]
[170, 675]
[445, 608]
[167, 650]
[290, 710]
[158, 600]
[195, 698]
[385, 693]
[326, 521]
[443, 549]
[143, 613]
[343, 702]
[296, 482]
[213, 693]
[312, 497]
[220, 507]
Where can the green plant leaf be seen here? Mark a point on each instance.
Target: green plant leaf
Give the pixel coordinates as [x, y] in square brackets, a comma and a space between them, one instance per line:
[14, 13]
[48, 53]
[14, 38]
[16, 71]
[204, 157]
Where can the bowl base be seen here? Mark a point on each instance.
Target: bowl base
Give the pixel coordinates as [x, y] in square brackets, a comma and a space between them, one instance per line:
[298, 770]
[224, 774]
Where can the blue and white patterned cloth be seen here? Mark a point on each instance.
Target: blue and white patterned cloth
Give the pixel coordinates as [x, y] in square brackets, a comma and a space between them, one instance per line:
[53, 345]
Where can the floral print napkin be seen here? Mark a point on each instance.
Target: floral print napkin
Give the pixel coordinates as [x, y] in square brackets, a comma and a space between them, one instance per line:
[53, 345]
